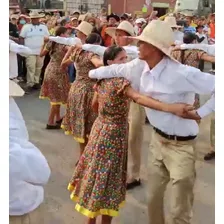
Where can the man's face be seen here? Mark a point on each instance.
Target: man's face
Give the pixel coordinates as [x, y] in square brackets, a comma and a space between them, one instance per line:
[35, 21]
[145, 50]
[188, 20]
[119, 40]
[112, 21]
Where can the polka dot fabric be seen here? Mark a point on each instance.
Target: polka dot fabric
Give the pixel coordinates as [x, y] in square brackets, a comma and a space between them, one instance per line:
[98, 184]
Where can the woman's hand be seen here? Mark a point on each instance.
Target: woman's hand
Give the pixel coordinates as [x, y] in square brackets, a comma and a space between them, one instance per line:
[184, 110]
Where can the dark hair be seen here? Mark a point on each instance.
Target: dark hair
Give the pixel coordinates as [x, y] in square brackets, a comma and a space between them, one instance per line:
[60, 30]
[93, 38]
[63, 22]
[189, 37]
[111, 53]
[199, 26]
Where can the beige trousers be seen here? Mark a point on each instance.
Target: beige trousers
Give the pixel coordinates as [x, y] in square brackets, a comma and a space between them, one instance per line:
[34, 217]
[34, 64]
[212, 132]
[136, 124]
[171, 161]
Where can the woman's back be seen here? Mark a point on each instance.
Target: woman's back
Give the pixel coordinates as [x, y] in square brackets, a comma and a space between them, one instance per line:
[83, 64]
[188, 57]
[56, 51]
[113, 106]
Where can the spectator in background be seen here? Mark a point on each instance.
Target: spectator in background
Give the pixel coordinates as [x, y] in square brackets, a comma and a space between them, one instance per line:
[23, 19]
[13, 28]
[190, 26]
[201, 36]
[124, 17]
[76, 14]
[74, 21]
[32, 35]
[112, 20]
[212, 29]
[139, 25]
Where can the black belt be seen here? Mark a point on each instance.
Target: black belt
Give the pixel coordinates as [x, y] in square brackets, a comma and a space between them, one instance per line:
[174, 137]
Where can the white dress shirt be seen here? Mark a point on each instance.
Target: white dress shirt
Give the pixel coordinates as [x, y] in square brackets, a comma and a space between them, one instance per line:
[28, 168]
[209, 49]
[15, 49]
[34, 36]
[169, 82]
[131, 50]
[70, 41]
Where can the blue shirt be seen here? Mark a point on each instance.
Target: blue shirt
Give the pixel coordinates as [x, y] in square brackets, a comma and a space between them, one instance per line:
[189, 29]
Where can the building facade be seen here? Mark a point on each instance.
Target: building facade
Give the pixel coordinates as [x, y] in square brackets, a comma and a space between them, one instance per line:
[84, 6]
[133, 6]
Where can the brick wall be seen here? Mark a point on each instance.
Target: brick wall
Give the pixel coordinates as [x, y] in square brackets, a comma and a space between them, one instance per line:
[133, 5]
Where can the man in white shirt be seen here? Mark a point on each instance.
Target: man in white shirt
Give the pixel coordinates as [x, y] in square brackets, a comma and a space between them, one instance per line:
[28, 168]
[137, 113]
[32, 35]
[156, 74]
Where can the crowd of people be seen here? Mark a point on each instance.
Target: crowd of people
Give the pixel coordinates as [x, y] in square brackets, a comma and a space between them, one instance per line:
[111, 72]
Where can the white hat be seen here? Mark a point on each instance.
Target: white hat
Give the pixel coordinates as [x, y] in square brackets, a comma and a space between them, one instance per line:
[140, 20]
[171, 21]
[159, 35]
[15, 89]
[124, 25]
[74, 18]
[85, 28]
[35, 15]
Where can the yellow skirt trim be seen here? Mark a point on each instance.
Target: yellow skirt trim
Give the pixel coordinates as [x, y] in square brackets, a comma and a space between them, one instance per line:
[92, 215]
[79, 140]
[52, 103]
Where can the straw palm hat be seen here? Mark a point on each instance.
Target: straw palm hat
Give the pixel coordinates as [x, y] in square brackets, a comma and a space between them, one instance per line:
[85, 28]
[158, 34]
[35, 15]
[124, 26]
[171, 21]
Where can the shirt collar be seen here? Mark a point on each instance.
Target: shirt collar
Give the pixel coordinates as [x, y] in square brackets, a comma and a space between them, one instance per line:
[157, 70]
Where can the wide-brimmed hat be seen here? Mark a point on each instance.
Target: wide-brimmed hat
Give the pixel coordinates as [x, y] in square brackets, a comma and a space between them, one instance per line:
[15, 89]
[159, 35]
[171, 21]
[35, 15]
[124, 26]
[24, 16]
[85, 28]
[74, 18]
[112, 15]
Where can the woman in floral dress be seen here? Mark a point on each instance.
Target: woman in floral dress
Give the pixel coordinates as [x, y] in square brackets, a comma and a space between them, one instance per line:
[98, 184]
[56, 84]
[79, 115]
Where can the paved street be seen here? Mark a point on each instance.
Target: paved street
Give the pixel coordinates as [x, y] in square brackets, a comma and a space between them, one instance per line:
[62, 152]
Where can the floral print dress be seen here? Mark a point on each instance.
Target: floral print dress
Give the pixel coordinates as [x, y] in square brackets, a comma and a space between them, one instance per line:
[79, 115]
[56, 84]
[98, 184]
